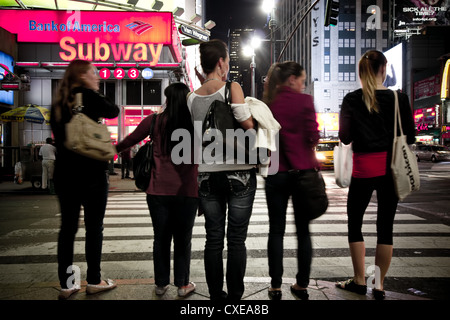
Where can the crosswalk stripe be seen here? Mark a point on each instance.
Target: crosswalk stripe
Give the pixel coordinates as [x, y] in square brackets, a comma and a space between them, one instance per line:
[252, 243]
[420, 247]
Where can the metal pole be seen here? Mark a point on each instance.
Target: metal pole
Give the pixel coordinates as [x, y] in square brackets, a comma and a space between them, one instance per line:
[272, 26]
[253, 81]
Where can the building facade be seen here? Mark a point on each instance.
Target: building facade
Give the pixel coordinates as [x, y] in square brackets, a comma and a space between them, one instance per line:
[330, 54]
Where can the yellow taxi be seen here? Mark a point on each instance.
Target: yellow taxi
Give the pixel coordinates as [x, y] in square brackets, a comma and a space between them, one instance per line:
[325, 153]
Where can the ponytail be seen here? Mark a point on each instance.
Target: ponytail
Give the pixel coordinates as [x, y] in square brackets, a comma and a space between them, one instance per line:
[277, 75]
[369, 65]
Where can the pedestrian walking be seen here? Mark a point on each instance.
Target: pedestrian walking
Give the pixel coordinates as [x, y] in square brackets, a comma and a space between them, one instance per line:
[172, 195]
[226, 191]
[80, 181]
[48, 154]
[367, 121]
[298, 136]
[126, 163]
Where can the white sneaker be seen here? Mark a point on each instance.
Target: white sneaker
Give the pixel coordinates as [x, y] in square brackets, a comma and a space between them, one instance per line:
[96, 288]
[185, 290]
[66, 293]
[161, 290]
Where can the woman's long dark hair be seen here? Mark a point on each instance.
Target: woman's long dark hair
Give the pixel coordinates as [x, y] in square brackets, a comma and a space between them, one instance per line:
[176, 115]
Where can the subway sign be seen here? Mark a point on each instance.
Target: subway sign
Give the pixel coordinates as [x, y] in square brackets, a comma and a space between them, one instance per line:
[94, 35]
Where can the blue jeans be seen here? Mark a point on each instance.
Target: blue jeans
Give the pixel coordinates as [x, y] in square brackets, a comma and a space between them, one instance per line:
[172, 217]
[218, 191]
[279, 188]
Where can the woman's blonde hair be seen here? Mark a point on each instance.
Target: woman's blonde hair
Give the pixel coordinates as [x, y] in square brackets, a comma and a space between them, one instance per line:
[72, 78]
[369, 65]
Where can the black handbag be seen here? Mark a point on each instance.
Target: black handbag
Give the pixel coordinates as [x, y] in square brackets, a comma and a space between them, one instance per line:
[218, 121]
[312, 186]
[143, 162]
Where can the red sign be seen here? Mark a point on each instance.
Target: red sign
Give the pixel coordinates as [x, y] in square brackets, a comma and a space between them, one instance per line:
[105, 73]
[133, 73]
[95, 35]
[119, 73]
[84, 26]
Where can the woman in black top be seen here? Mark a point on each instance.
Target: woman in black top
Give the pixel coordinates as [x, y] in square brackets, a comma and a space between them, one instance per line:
[367, 121]
[80, 181]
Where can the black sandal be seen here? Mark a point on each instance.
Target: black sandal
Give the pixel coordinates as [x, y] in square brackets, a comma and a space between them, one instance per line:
[351, 285]
[302, 294]
[378, 294]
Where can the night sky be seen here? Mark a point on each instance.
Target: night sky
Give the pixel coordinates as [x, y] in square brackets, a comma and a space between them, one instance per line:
[235, 14]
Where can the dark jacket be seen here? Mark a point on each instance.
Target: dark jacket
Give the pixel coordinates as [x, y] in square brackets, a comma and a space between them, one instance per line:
[299, 129]
[167, 178]
[95, 106]
[374, 132]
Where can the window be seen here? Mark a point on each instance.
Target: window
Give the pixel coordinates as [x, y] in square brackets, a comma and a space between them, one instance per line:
[133, 94]
[149, 90]
[327, 93]
[326, 59]
[326, 76]
[152, 92]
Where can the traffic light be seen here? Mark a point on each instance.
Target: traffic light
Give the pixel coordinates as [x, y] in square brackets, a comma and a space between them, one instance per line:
[331, 12]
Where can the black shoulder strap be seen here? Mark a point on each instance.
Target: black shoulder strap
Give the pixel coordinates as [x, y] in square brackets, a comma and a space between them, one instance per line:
[228, 93]
[152, 125]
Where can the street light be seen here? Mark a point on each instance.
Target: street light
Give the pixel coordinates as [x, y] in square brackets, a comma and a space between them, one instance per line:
[249, 51]
[268, 6]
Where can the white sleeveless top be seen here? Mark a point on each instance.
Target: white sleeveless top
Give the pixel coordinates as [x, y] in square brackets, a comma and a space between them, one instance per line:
[198, 106]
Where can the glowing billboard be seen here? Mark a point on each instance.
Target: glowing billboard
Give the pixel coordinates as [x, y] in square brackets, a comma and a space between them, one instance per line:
[394, 68]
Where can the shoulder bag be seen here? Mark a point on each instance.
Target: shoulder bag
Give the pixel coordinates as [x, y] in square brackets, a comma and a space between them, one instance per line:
[343, 164]
[222, 132]
[311, 185]
[143, 162]
[404, 167]
[88, 137]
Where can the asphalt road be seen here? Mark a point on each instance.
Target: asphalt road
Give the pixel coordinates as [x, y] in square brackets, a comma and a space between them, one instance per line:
[20, 211]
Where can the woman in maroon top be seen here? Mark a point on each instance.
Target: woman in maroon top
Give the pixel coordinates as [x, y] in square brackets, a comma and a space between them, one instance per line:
[172, 195]
[367, 121]
[297, 138]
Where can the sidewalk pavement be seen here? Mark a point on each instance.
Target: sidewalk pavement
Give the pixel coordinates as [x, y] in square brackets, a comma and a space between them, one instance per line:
[143, 289]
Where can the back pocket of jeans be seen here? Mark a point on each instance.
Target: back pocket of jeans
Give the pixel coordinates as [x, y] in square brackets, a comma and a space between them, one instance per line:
[203, 184]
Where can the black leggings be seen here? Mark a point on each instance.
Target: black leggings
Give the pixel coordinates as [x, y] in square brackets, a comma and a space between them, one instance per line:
[359, 195]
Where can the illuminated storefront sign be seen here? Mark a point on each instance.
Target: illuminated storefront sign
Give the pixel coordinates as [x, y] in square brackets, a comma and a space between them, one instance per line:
[445, 81]
[6, 63]
[94, 35]
[425, 119]
[328, 121]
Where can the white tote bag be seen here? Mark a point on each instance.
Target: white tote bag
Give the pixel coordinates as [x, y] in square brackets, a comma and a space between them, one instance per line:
[343, 164]
[404, 163]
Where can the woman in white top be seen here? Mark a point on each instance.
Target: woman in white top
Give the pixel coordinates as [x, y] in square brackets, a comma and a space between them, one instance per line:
[223, 186]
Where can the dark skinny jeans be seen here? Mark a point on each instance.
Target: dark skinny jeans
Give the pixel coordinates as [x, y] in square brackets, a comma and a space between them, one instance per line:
[75, 188]
[172, 218]
[279, 188]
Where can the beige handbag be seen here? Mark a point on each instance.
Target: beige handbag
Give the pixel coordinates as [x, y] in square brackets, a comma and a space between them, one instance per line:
[88, 137]
[404, 163]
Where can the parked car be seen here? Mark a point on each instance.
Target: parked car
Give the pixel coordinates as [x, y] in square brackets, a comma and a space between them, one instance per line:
[325, 153]
[432, 153]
